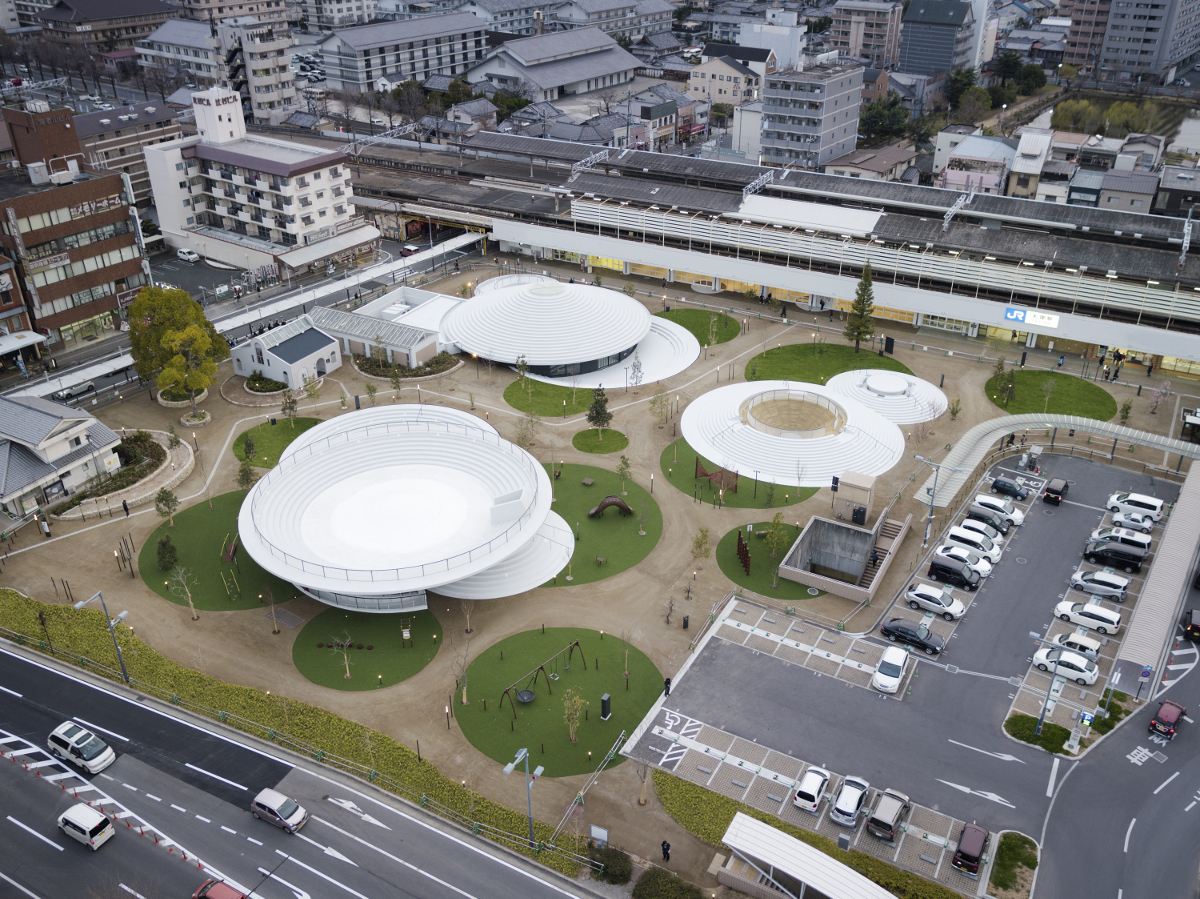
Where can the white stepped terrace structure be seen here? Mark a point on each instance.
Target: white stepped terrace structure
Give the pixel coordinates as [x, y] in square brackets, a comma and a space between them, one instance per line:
[900, 398]
[371, 509]
[790, 432]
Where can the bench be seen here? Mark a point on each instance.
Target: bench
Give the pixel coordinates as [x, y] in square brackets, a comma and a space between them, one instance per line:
[588, 482]
[601, 560]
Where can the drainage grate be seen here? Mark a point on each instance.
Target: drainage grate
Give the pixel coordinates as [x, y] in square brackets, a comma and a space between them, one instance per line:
[288, 619]
[1015, 681]
[952, 669]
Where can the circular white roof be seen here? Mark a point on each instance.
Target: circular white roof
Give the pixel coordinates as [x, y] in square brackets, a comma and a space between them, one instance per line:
[900, 398]
[503, 281]
[531, 566]
[387, 417]
[714, 427]
[390, 507]
[547, 323]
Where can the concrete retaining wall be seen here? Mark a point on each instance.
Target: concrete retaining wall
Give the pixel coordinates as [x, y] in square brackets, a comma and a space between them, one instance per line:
[144, 490]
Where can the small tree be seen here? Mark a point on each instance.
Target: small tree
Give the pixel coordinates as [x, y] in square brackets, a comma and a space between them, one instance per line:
[522, 370]
[660, 406]
[598, 415]
[714, 324]
[173, 438]
[573, 706]
[700, 547]
[269, 595]
[777, 535]
[955, 408]
[643, 517]
[998, 371]
[341, 647]
[460, 663]
[467, 606]
[1008, 387]
[1126, 411]
[394, 376]
[1047, 391]
[597, 282]
[635, 372]
[246, 476]
[165, 504]
[527, 431]
[167, 553]
[289, 408]
[312, 387]
[249, 446]
[770, 494]
[371, 391]
[860, 325]
[192, 366]
[180, 582]
[624, 472]
[750, 295]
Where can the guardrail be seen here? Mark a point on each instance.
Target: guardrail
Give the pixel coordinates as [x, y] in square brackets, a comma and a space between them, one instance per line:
[800, 396]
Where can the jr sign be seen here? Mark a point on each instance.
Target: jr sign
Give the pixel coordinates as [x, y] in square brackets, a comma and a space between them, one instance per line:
[1031, 317]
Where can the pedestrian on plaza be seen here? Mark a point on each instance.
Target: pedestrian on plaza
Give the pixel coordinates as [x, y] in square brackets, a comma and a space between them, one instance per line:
[125, 506]
[1012, 438]
[1061, 360]
[666, 848]
[1106, 373]
[831, 315]
[822, 305]
[874, 557]
[1014, 334]
[667, 686]
[1149, 369]
[1022, 440]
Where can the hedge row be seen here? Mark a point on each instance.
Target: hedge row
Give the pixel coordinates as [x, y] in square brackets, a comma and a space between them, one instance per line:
[85, 634]
[708, 815]
[659, 883]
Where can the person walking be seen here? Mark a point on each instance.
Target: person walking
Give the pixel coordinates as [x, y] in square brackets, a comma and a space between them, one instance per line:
[667, 686]
[666, 848]
[1061, 360]
[1106, 373]
[125, 506]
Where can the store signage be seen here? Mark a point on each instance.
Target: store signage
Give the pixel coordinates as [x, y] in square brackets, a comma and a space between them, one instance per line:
[126, 297]
[35, 265]
[1031, 317]
[93, 206]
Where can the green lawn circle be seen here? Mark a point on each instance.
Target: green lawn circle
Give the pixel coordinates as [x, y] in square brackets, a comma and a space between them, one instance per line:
[698, 322]
[678, 464]
[762, 566]
[538, 725]
[612, 536]
[591, 441]
[548, 398]
[1071, 396]
[803, 362]
[199, 535]
[388, 657]
[270, 440]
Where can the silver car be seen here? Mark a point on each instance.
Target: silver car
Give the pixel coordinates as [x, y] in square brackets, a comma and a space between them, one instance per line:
[934, 599]
[1101, 583]
[850, 801]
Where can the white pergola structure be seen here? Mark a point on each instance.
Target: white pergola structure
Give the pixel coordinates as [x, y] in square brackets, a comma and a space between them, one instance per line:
[900, 398]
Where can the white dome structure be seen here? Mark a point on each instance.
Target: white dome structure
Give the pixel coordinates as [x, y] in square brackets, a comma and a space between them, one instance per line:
[790, 432]
[559, 329]
[900, 398]
[370, 509]
[502, 281]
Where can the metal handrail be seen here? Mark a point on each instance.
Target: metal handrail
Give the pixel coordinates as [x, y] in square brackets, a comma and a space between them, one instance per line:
[804, 396]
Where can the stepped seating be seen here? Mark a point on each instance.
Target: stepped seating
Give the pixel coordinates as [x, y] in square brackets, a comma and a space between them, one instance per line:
[921, 401]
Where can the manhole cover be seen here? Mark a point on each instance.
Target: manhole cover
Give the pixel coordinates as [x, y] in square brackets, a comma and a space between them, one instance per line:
[813, 591]
[1021, 560]
[1070, 483]
[1047, 511]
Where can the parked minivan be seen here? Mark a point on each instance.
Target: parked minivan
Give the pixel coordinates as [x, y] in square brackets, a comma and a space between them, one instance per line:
[982, 527]
[1136, 502]
[889, 811]
[1001, 507]
[953, 573]
[972, 843]
[1128, 558]
[1122, 535]
[989, 516]
[1055, 492]
[976, 542]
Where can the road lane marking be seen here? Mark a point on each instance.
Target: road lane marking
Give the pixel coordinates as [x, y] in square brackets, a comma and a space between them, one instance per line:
[102, 730]
[107, 777]
[132, 892]
[19, 696]
[1165, 782]
[22, 889]
[254, 841]
[204, 819]
[1128, 832]
[178, 808]
[1053, 775]
[1188, 720]
[270, 875]
[326, 849]
[228, 830]
[130, 787]
[29, 829]
[152, 796]
[325, 876]
[1003, 756]
[215, 776]
[1189, 808]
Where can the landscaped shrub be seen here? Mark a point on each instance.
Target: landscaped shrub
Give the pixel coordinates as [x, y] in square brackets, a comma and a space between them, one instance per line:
[1015, 851]
[1116, 711]
[1052, 737]
[260, 383]
[659, 883]
[167, 553]
[381, 368]
[140, 456]
[618, 866]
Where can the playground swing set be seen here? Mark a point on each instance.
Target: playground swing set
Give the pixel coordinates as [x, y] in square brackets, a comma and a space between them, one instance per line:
[516, 693]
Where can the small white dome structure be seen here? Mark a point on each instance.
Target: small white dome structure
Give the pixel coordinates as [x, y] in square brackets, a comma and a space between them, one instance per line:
[900, 398]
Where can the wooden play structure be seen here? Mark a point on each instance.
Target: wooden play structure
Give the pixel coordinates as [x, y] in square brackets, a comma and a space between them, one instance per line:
[743, 552]
[720, 478]
[525, 693]
[623, 506]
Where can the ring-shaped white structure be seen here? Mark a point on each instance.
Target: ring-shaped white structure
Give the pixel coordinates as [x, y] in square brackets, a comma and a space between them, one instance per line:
[386, 502]
[900, 398]
[666, 351]
[559, 329]
[502, 281]
[718, 427]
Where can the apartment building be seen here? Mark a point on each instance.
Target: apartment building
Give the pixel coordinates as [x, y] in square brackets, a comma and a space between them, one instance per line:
[1150, 41]
[115, 140]
[867, 29]
[256, 59]
[525, 17]
[103, 25]
[1089, 21]
[811, 116]
[633, 19]
[724, 80]
[186, 45]
[266, 205]
[371, 57]
[263, 10]
[330, 14]
[938, 36]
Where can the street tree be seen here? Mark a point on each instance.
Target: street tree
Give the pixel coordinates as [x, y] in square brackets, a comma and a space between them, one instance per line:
[860, 323]
[573, 706]
[660, 406]
[165, 504]
[155, 314]
[193, 366]
[700, 547]
[635, 372]
[341, 646]
[246, 476]
[624, 472]
[180, 582]
[598, 415]
[1048, 386]
[777, 535]
[289, 407]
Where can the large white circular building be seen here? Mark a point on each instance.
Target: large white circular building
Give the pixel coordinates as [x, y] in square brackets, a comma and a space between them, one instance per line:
[371, 509]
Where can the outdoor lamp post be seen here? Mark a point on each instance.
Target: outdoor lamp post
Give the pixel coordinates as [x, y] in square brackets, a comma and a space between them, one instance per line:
[112, 622]
[937, 468]
[1045, 705]
[523, 754]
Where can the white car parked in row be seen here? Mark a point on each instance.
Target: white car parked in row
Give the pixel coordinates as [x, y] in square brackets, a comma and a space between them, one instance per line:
[1001, 507]
[1101, 583]
[1070, 664]
[889, 674]
[1136, 502]
[974, 541]
[974, 524]
[1134, 521]
[961, 554]
[934, 599]
[1089, 614]
[850, 801]
[811, 789]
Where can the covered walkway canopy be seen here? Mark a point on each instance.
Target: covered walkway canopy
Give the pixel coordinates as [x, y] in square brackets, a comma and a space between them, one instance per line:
[790, 865]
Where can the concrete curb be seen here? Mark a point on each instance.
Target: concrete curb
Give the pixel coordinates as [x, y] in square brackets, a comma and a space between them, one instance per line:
[138, 494]
[182, 404]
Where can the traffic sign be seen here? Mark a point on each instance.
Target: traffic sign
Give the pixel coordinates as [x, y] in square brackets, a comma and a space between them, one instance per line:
[1147, 671]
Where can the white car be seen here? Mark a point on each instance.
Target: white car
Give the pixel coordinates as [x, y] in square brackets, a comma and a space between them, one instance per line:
[83, 823]
[79, 745]
[1087, 647]
[91, 98]
[974, 524]
[1001, 507]
[890, 671]
[1089, 614]
[975, 542]
[1134, 521]
[1122, 535]
[187, 255]
[1136, 502]
[963, 555]
[1101, 583]
[68, 393]
[850, 801]
[934, 599]
[811, 789]
[1070, 664]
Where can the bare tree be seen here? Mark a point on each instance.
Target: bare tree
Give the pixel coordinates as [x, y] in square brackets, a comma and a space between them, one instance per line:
[341, 646]
[468, 606]
[346, 99]
[411, 101]
[390, 107]
[180, 582]
[460, 661]
[527, 89]
[604, 102]
[269, 595]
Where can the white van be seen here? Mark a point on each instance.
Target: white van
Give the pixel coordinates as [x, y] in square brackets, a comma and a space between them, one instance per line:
[1001, 507]
[83, 823]
[976, 541]
[1122, 535]
[1136, 502]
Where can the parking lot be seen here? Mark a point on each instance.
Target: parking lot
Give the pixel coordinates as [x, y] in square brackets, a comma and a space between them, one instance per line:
[769, 694]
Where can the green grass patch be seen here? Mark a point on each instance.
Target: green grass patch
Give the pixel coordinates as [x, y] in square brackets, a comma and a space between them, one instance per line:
[708, 815]
[678, 464]
[762, 566]
[1116, 711]
[591, 441]
[547, 399]
[267, 716]
[699, 322]
[539, 724]
[1052, 738]
[815, 364]
[378, 655]
[270, 440]
[199, 535]
[612, 536]
[1071, 396]
[1014, 852]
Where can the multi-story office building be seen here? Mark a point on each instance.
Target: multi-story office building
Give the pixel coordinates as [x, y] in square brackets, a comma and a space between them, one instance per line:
[867, 29]
[811, 116]
[366, 57]
[103, 25]
[1150, 41]
[938, 36]
[115, 140]
[266, 205]
[512, 16]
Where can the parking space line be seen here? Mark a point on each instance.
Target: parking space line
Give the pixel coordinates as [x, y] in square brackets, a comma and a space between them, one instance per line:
[1128, 832]
[1165, 782]
[29, 829]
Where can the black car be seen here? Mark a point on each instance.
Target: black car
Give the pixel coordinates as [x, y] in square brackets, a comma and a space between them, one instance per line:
[912, 633]
[1191, 624]
[987, 516]
[944, 569]
[1009, 488]
[1055, 492]
[1118, 555]
[1169, 716]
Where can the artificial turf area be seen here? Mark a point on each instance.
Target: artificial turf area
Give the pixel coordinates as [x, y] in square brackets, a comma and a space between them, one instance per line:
[803, 362]
[270, 440]
[592, 441]
[678, 463]
[1071, 396]
[762, 566]
[612, 536]
[699, 322]
[547, 399]
[199, 535]
[538, 725]
[387, 662]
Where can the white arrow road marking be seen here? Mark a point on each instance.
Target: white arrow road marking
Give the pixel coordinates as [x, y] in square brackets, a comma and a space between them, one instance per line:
[1003, 756]
[354, 809]
[992, 796]
[300, 894]
[320, 874]
[328, 850]
[29, 829]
